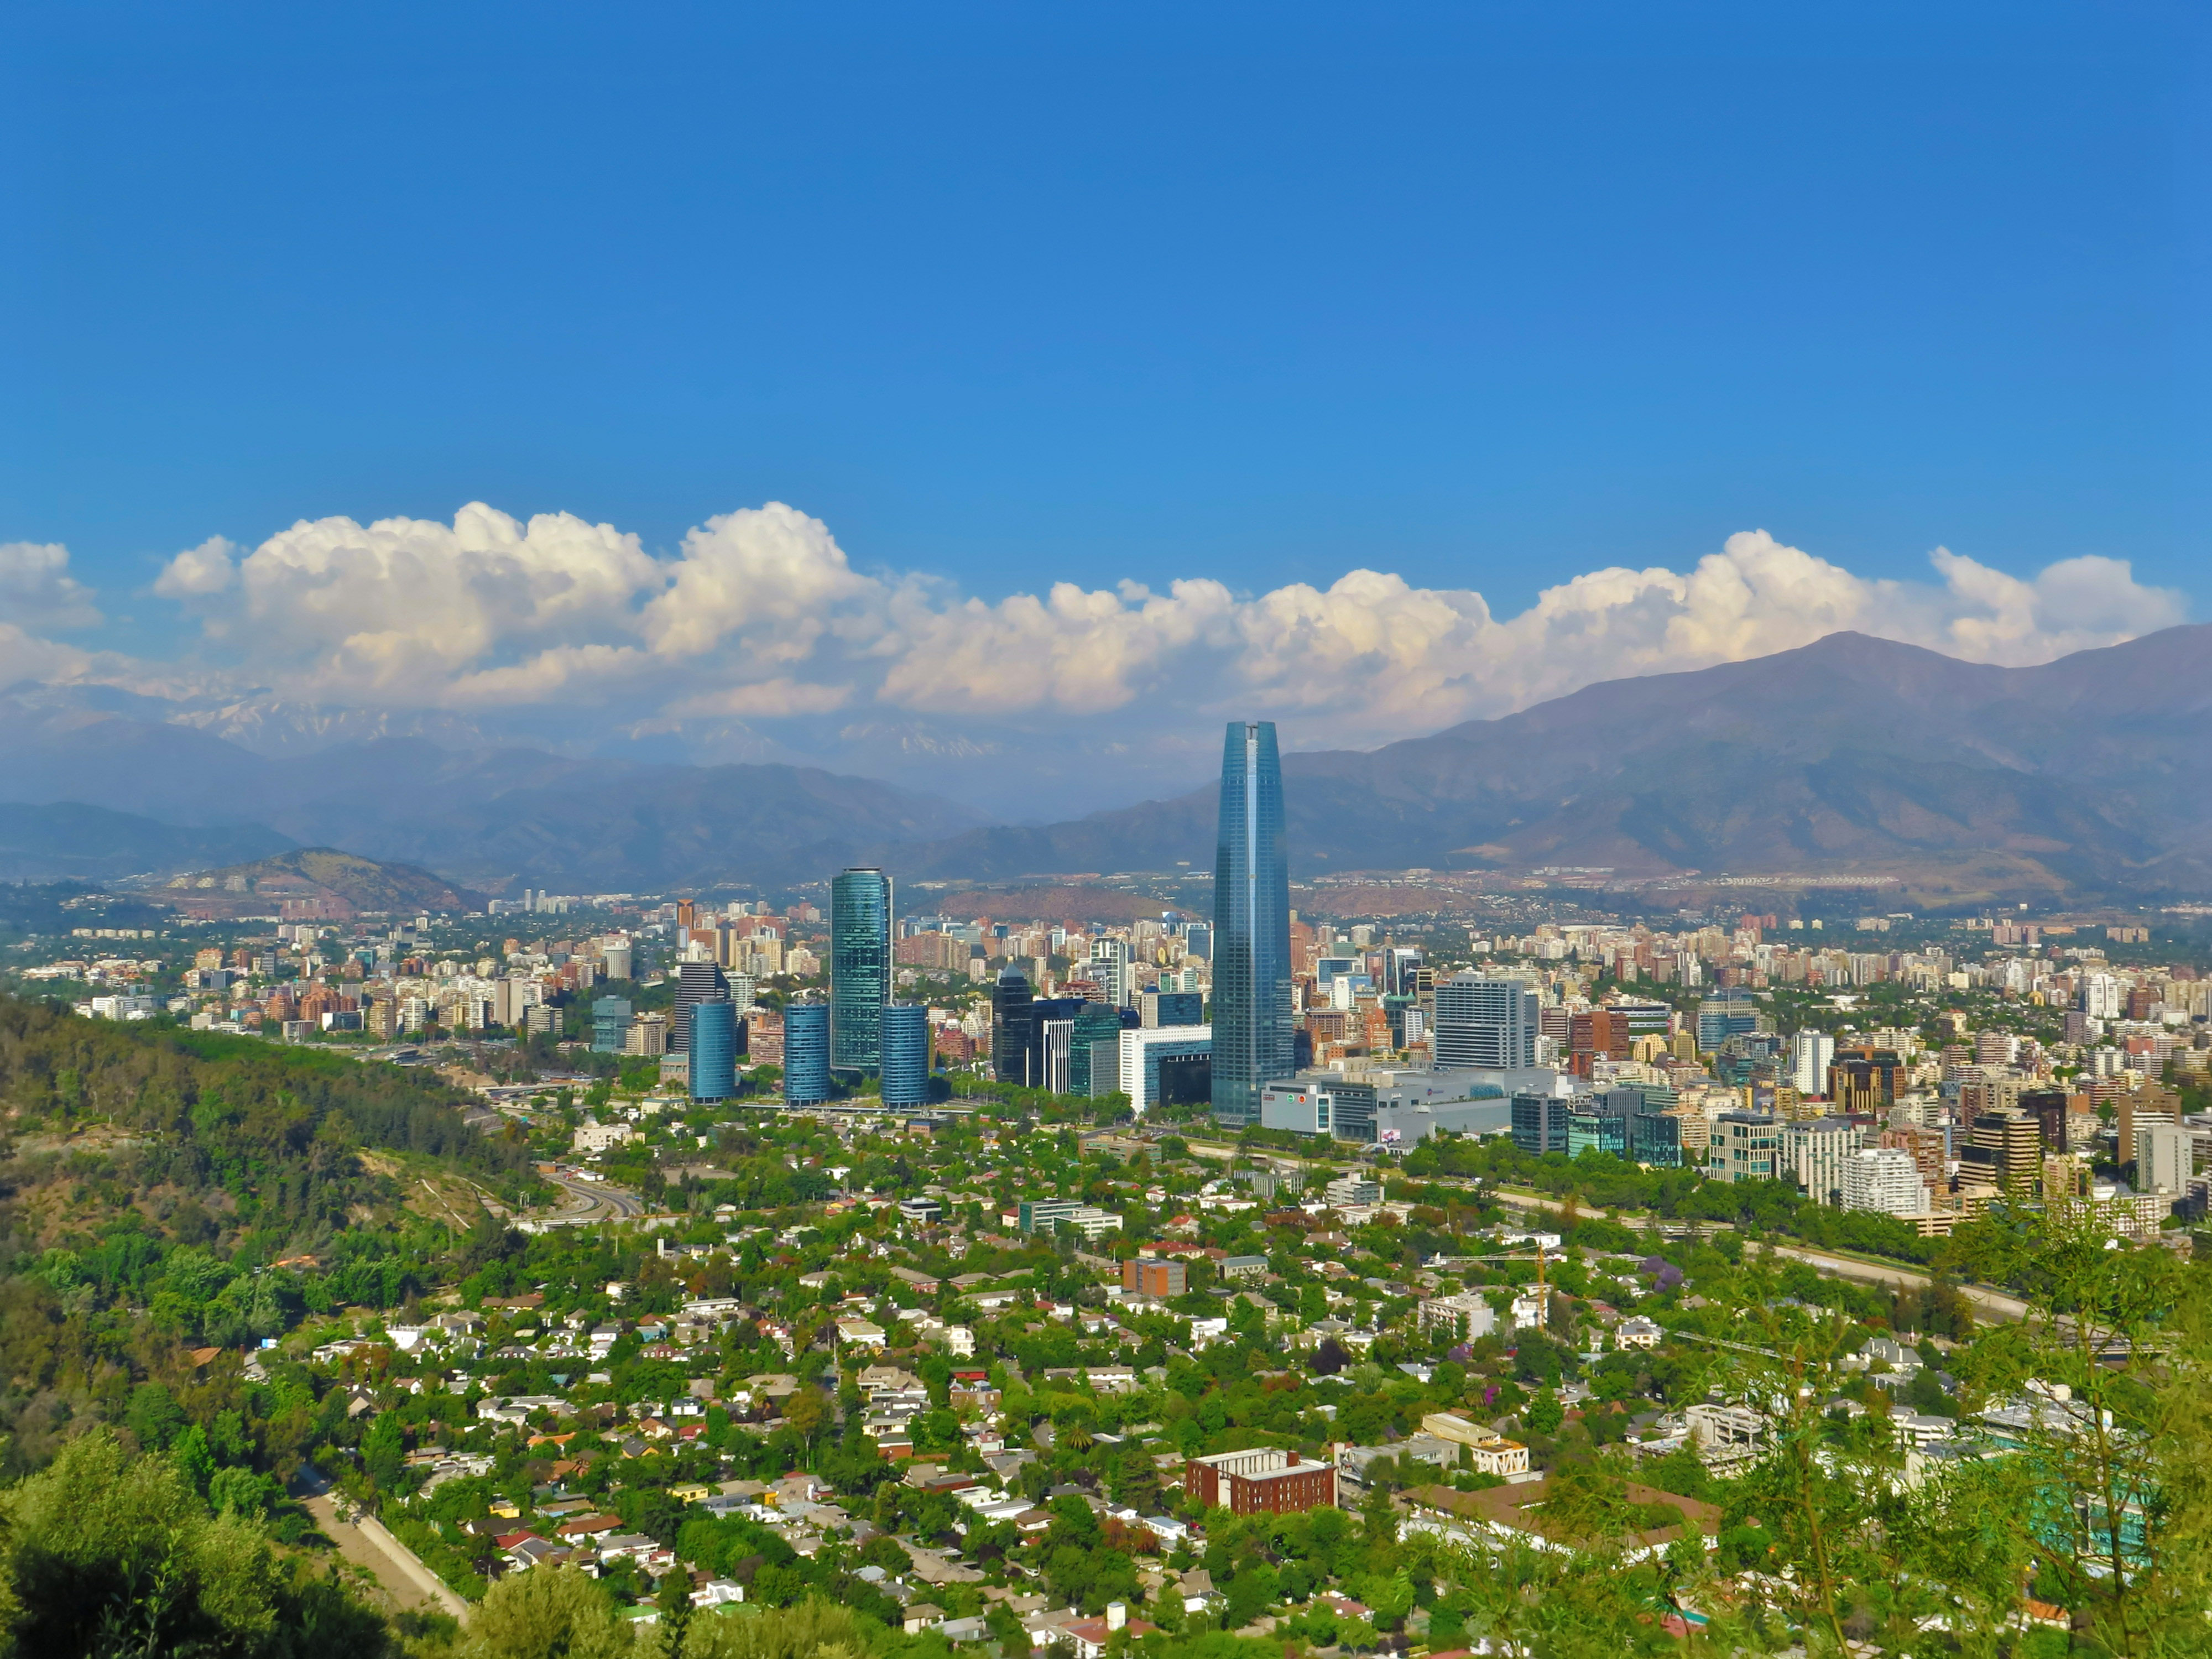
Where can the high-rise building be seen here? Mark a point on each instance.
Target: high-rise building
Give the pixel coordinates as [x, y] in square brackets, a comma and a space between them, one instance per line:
[1013, 1030]
[609, 1022]
[1811, 1054]
[906, 1055]
[695, 982]
[1884, 1179]
[1172, 1008]
[1539, 1123]
[807, 1053]
[716, 1036]
[2164, 1158]
[1110, 969]
[860, 969]
[1254, 1039]
[2004, 1149]
[1490, 1024]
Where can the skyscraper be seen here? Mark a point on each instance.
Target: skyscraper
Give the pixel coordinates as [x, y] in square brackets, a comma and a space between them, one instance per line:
[695, 982]
[906, 1055]
[716, 1036]
[806, 1053]
[1254, 1043]
[860, 969]
[1487, 1022]
[1013, 1029]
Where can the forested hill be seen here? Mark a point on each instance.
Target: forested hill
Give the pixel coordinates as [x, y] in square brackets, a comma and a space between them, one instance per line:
[162, 1190]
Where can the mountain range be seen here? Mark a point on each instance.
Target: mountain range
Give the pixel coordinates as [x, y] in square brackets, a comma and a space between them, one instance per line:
[2084, 776]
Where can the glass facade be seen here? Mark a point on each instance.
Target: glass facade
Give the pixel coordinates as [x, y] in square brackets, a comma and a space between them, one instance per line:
[1254, 1043]
[860, 969]
[610, 1024]
[714, 1050]
[807, 1053]
[906, 1055]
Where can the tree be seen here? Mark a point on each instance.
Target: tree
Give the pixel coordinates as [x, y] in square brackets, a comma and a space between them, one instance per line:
[548, 1613]
[110, 1553]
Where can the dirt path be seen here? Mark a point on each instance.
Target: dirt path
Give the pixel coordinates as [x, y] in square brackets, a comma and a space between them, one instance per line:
[396, 1567]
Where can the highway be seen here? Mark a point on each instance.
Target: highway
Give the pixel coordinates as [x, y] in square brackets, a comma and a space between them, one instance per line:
[589, 1201]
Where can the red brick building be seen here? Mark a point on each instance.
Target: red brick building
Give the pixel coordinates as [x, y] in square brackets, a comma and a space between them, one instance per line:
[1263, 1481]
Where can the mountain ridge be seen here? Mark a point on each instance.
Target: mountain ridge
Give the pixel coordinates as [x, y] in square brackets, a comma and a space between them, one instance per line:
[1850, 753]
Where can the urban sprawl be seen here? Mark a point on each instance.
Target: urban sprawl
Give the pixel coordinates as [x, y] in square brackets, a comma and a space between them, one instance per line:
[1417, 1282]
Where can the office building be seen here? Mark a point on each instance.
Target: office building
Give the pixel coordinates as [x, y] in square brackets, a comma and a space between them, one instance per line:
[1169, 1064]
[1654, 1139]
[695, 982]
[860, 969]
[616, 958]
[1263, 1481]
[1252, 931]
[1486, 1024]
[1539, 1123]
[1094, 1050]
[1742, 1148]
[1163, 1280]
[1172, 1008]
[1727, 1014]
[1863, 1081]
[906, 1055]
[2004, 1149]
[610, 1024]
[1811, 1053]
[1013, 1030]
[807, 1053]
[717, 1036]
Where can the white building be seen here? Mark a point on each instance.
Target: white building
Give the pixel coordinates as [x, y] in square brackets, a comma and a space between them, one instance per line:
[1811, 1054]
[1886, 1180]
[592, 1136]
[2164, 1158]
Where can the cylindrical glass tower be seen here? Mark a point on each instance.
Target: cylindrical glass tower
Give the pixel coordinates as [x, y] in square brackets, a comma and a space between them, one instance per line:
[807, 1053]
[906, 1055]
[714, 1050]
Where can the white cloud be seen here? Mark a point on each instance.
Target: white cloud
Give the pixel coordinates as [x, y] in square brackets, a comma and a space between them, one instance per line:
[197, 571]
[37, 591]
[760, 614]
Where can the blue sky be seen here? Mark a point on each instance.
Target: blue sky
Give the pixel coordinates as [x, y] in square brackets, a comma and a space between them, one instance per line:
[1006, 297]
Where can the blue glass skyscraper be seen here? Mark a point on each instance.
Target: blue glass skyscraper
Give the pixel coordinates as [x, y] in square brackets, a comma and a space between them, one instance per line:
[807, 1053]
[906, 1055]
[714, 1050]
[1254, 1042]
[860, 969]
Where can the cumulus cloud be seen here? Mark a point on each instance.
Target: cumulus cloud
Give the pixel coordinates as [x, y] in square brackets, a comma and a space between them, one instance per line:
[37, 591]
[760, 614]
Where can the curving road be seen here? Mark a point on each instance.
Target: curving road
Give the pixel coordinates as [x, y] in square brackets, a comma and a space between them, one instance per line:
[591, 1202]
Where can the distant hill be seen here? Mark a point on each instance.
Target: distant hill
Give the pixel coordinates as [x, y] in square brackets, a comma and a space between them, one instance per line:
[489, 818]
[341, 884]
[1851, 755]
[69, 841]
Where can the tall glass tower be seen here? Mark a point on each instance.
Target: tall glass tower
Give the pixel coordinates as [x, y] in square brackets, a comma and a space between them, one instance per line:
[1252, 1041]
[806, 1053]
[906, 1055]
[860, 969]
